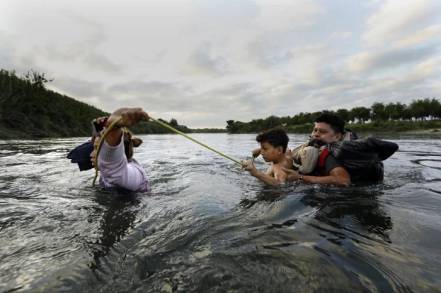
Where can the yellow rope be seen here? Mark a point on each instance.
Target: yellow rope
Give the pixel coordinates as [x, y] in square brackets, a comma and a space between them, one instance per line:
[100, 143]
[194, 140]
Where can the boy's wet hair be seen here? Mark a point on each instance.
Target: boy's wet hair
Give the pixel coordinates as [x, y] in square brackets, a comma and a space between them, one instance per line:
[336, 123]
[275, 137]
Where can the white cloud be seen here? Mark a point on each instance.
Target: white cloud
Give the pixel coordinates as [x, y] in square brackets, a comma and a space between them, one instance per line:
[396, 18]
[286, 14]
[204, 62]
[341, 35]
[388, 58]
[79, 88]
[430, 34]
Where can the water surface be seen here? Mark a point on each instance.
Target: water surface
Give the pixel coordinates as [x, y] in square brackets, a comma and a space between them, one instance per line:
[207, 226]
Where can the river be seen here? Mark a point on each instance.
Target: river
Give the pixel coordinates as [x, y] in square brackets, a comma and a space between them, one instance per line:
[207, 226]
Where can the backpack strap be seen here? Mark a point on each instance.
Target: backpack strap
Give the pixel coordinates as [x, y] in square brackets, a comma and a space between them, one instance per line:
[322, 158]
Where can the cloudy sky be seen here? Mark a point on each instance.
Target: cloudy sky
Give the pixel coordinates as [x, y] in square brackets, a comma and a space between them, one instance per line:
[206, 61]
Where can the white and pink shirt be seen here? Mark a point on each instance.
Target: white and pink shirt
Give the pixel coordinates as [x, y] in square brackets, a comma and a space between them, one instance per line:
[116, 171]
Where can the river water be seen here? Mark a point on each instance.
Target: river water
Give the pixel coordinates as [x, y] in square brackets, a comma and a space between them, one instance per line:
[207, 226]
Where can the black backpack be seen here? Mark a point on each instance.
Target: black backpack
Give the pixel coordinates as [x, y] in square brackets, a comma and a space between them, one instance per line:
[363, 157]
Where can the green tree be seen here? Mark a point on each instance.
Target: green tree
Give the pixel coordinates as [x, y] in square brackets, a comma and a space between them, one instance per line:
[378, 112]
[395, 111]
[36, 79]
[232, 126]
[435, 108]
[29, 110]
[270, 122]
[362, 114]
[420, 109]
[343, 114]
[173, 123]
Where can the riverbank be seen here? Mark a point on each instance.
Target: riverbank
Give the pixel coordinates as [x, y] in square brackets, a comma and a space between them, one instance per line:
[28, 110]
[392, 127]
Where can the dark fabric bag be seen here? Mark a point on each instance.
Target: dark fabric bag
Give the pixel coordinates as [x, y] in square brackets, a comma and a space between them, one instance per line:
[81, 156]
[363, 157]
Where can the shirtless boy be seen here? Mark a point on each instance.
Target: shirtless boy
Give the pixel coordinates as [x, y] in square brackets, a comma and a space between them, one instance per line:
[273, 144]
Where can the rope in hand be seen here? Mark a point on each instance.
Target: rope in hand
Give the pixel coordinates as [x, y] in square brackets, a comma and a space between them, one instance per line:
[100, 143]
[118, 119]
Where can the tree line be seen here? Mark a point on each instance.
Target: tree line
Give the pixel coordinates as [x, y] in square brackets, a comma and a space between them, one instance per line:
[29, 110]
[379, 113]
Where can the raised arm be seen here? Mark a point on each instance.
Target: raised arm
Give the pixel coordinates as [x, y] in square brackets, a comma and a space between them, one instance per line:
[130, 116]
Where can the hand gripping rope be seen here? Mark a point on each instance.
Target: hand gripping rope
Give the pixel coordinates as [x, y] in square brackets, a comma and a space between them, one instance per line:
[119, 118]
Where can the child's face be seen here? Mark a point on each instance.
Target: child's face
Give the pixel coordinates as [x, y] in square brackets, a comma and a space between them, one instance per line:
[270, 153]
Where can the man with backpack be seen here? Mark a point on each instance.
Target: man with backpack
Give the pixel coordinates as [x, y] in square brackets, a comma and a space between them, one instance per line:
[343, 158]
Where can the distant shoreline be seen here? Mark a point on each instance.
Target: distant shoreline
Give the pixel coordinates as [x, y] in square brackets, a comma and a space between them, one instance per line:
[385, 128]
[433, 132]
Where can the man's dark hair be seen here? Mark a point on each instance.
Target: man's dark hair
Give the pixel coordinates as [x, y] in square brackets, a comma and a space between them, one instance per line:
[275, 137]
[336, 123]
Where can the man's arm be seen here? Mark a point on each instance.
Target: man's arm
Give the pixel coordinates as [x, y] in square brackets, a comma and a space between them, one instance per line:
[337, 176]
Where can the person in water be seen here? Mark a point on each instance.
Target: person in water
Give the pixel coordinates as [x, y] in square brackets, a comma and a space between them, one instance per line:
[116, 164]
[328, 129]
[304, 157]
[273, 145]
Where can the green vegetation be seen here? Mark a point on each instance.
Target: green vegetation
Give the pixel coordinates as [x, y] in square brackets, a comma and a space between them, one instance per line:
[421, 114]
[432, 126]
[29, 110]
[151, 127]
[209, 130]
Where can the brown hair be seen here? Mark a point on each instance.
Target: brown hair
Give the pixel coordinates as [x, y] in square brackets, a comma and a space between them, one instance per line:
[275, 137]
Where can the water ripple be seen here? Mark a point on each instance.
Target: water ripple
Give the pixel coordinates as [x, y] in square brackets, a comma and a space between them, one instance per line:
[208, 226]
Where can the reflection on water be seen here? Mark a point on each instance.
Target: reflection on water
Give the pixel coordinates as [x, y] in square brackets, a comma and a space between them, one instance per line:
[208, 226]
[355, 206]
[118, 218]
